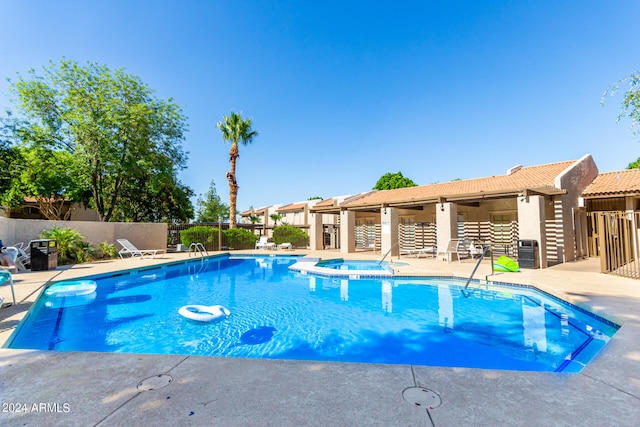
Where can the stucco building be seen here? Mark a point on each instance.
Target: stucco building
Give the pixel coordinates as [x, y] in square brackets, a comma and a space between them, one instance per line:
[533, 202]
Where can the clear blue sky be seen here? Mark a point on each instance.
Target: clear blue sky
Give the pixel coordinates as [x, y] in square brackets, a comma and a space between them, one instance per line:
[343, 92]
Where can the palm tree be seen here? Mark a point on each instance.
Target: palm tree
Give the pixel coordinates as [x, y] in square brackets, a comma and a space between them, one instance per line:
[275, 218]
[235, 130]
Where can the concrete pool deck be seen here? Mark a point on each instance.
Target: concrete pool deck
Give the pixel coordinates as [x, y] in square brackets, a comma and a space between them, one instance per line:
[108, 389]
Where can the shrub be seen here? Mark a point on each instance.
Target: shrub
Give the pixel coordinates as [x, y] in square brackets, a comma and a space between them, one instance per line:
[84, 252]
[204, 234]
[107, 250]
[71, 244]
[290, 234]
[239, 238]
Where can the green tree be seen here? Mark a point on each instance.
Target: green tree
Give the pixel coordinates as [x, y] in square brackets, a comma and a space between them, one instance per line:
[110, 121]
[10, 164]
[155, 198]
[390, 181]
[634, 165]
[235, 130]
[52, 178]
[630, 101]
[210, 208]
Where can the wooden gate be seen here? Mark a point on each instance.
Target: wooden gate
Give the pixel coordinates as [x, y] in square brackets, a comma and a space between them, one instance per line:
[616, 235]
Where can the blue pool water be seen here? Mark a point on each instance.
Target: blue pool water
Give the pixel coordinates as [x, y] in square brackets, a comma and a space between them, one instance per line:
[280, 314]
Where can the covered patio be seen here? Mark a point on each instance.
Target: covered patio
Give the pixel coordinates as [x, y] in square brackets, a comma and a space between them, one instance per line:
[527, 203]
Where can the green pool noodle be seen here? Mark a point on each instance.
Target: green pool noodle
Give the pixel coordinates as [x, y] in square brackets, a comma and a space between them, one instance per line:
[504, 263]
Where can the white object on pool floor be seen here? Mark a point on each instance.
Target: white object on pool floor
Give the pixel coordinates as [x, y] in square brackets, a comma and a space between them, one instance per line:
[203, 313]
[71, 288]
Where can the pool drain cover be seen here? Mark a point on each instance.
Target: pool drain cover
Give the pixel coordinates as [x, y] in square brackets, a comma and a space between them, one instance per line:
[155, 382]
[423, 397]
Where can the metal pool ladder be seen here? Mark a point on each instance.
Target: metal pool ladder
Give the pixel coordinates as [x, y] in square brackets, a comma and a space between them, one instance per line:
[199, 248]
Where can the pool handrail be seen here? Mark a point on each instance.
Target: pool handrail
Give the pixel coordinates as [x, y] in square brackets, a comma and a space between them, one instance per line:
[199, 248]
[484, 252]
[388, 252]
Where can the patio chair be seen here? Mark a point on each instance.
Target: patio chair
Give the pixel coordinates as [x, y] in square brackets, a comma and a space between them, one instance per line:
[5, 277]
[285, 245]
[453, 247]
[475, 249]
[262, 243]
[129, 248]
[21, 258]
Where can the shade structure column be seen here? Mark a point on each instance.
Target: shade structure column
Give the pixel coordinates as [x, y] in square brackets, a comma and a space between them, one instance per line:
[389, 231]
[315, 231]
[265, 222]
[446, 224]
[531, 223]
[347, 231]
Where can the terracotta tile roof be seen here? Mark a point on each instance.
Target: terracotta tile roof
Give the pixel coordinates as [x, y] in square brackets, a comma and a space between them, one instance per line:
[293, 207]
[531, 177]
[359, 196]
[253, 212]
[326, 206]
[614, 183]
[259, 211]
[326, 202]
[333, 205]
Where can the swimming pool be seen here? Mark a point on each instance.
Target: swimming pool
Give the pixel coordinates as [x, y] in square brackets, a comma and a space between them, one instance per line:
[281, 314]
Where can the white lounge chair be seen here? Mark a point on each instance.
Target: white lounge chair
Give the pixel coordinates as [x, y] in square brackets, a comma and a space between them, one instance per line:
[426, 251]
[5, 277]
[285, 245]
[129, 248]
[262, 243]
[21, 258]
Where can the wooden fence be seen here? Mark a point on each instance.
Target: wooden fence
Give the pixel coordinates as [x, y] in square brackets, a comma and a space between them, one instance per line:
[616, 236]
[417, 236]
[368, 236]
